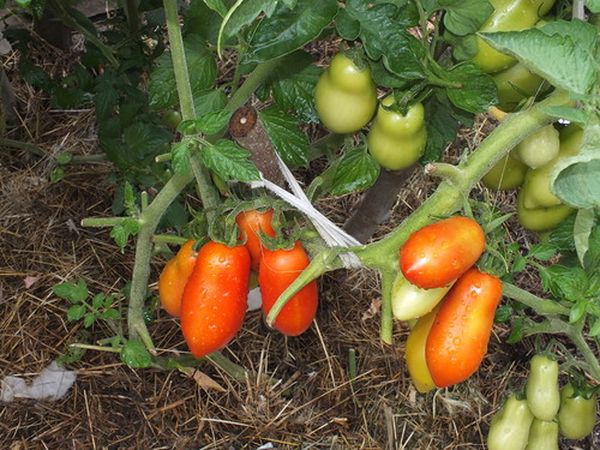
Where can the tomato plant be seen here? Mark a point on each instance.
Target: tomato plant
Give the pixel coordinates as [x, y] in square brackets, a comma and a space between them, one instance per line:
[214, 299]
[278, 269]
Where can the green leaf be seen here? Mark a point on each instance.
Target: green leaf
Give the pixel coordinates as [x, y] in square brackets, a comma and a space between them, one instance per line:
[98, 301]
[76, 312]
[202, 68]
[595, 329]
[503, 314]
[209, 101]
[519, 264]
[129, 199]
[246, 13]
[202, 21]
[121, 232]
[135, 355]
[570, 283]
[180, 157]
[542, 252]
[593, 6]
[287, 138]
[293, 83]
[218, 6]
[592, 256]
[75, 293]
[517, 332]
[584, 223]
[564, 112]
[356, 170]
[111, 314]
[347, 27]
[476, 91]
[465, 16]
[577, 311]
[212, 122]
[576, 180]
[89, 320]
[289, 29]
[57, 174]
[564, 59]
[383, 32]
[229, 161]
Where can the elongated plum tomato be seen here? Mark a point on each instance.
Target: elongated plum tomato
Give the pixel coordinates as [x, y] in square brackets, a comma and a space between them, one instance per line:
[252, 223]
[278, 269]
[215, 298]
[510, 426]
[459, 336]
[438, 254]
[174, 277]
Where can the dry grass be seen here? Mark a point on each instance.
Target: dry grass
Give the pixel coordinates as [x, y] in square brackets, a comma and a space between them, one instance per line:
[299, 394]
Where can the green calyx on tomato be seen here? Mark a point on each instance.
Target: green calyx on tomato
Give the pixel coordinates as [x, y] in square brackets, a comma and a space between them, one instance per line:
[437, 254]
[542, 392]
[414, 353]
[577, 414]
[278, 269]
[508, 15]
[411, 302]
[174, 277]
[510, 426]
[543, 435]
[459, 336]
[508, 173]
[397, 140]
[345, 96]
[539, 148]
[215, 297]
[515, 84]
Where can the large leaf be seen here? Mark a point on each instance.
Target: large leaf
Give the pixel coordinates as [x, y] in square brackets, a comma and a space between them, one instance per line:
[202, 69]
[289, 29]
[289, 141]
[229, 161]
[475, 91]
[383, 32]
[593, 6]
[576, 180]
[465, 16]
[356, 170]
[562, 53]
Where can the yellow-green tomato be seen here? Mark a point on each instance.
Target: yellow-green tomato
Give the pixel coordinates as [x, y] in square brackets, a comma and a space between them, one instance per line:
[411, 302]
[397, 141]
[510, 426]
[508, 15]
[415, 353]
[515, 84]
[345, 96]
[540, 147]
[577, 414]
[508, 173]
[541, 219]
[543, 435]
[542, 392]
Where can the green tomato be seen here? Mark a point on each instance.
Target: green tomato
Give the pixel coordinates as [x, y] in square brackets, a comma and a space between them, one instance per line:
[397, 141]
[542, 392]
[543, 435]
[515, 84]
[171, 118]
[508, 15]
[541, 219]
[540, 147]
[577, 414]
[510, 426]
[508, 173]
[345, 96]
[411, 302]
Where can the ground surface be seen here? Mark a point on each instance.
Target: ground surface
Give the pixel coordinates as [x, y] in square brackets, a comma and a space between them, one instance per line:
[299, 395]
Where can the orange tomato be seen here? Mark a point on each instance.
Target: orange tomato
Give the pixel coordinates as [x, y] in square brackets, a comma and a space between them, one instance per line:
[174, 277]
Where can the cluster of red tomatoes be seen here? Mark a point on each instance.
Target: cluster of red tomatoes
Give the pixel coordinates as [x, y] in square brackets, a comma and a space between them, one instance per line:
[454, 302]
[208, 289]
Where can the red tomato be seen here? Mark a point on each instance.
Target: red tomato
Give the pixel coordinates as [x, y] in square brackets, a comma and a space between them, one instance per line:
[461, 331]
[215, 298]
[250, 223]
[278, 269]
[174, 277]
[438, 254]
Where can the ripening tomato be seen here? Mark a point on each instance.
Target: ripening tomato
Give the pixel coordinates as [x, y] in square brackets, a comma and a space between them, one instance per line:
[459, 336]
[577, 414]
[278, 269]
[252, 223]
[415, 353]
[438, 254]
[542, 392]
[174, 277]
[215, 297]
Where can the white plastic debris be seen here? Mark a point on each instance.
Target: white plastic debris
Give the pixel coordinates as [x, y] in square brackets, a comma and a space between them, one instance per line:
[267, 446]
[254, 299]
[330, 232]
[51, 384]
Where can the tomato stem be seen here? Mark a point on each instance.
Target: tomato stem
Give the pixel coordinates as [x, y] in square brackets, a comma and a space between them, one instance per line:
[387, 321]
[99, 348]
[100, 222]
[539, 305]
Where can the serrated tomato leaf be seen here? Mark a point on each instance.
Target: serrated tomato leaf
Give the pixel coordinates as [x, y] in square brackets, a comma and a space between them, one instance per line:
[229, 161]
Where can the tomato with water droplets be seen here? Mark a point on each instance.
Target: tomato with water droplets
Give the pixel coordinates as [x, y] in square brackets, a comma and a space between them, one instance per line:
[278, 269]
[437, 254]
[461, 330]
[215, 298]
[252, 223]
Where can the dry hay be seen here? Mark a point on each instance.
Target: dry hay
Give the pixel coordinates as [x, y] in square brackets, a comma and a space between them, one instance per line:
[299, 395]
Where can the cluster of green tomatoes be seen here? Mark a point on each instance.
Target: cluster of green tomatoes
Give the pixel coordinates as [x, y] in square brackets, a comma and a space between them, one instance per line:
[533, 422]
